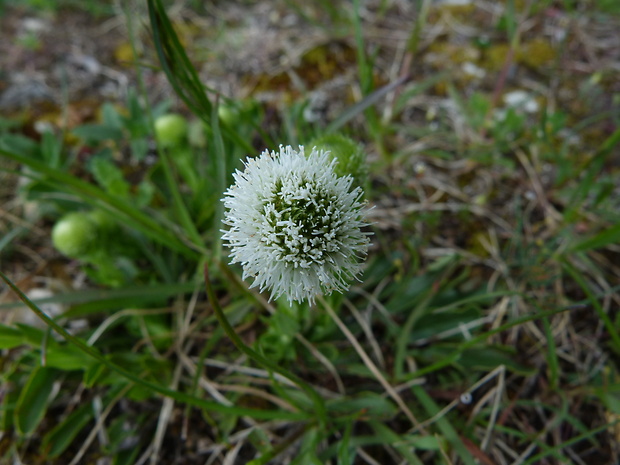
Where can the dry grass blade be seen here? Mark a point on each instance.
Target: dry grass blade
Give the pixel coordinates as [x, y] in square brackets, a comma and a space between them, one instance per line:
[99, 426]
[370, 365]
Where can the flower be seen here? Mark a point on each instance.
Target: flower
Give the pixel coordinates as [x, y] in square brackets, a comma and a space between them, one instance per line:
[294, 225]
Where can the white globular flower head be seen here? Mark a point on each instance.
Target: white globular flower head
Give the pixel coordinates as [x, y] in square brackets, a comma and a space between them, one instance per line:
[294, 225]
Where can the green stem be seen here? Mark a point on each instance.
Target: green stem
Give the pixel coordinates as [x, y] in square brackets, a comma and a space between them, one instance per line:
[258, 358]
[220, 178]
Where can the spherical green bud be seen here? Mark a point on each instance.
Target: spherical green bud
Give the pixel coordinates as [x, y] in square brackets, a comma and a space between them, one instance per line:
[350, 155]
[103, 220]
[75, 235]
[171, 130]
[196, 134]
[228, 114]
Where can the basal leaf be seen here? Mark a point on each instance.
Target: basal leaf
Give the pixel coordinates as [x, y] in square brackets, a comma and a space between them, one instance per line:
[10, 337]
[34, 398]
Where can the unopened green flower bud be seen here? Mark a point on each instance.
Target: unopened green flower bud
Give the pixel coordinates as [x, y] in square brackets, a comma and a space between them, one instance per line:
[75, 235]
[171, 130]
[349, 154]
[228, 114]
[196, 134]
[103, 220]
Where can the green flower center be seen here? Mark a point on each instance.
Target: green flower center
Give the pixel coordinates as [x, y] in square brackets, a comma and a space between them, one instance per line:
[302, 223]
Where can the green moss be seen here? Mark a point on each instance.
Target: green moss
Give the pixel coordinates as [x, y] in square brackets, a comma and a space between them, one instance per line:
[495, 57]
[536, 53]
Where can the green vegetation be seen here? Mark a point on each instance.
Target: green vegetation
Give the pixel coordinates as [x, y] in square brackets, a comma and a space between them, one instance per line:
[485, 327]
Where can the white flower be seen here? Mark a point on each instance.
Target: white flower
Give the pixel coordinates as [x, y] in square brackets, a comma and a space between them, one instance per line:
[294, 225]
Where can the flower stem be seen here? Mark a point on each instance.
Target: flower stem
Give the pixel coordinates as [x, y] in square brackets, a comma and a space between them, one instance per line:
[258, 358]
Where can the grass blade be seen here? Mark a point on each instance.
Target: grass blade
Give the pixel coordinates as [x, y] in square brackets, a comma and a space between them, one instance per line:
[179, 207]
[593, 166]
[220, 178]
[174, 61]
[63, 434]
[456, 354]
[181, 72]
[446, 428]
[363, 104]
[159, 389]
[609, 325]
[606, 237]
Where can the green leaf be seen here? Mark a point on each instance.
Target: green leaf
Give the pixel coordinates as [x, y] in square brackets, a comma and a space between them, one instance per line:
[346, 453]
[34, 398]
[98, 132]
[444, 425]
[179, 207]
[426, 442]
[10, 337]
[96, 300]
[63, 434]
[94, 373]
[19, 144]
[139, 148]
[611, 401]
[110, 177]
[67, 357]
[31, 335]
[385, 435]
[144, 193]
[10, 235]
[220, 179]
[126, 456]
[404, 295]
[368, 403]
[577, 275]
[111, 117]
[435, 322]
[488, 358]
[175, 63]
[607, 236]
[51, 149]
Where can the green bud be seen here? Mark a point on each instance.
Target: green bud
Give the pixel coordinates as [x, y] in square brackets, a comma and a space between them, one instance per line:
[350, 155]
[103, 220]
[196, 134]
[171, 130]
[75, 235]
[228, 114]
